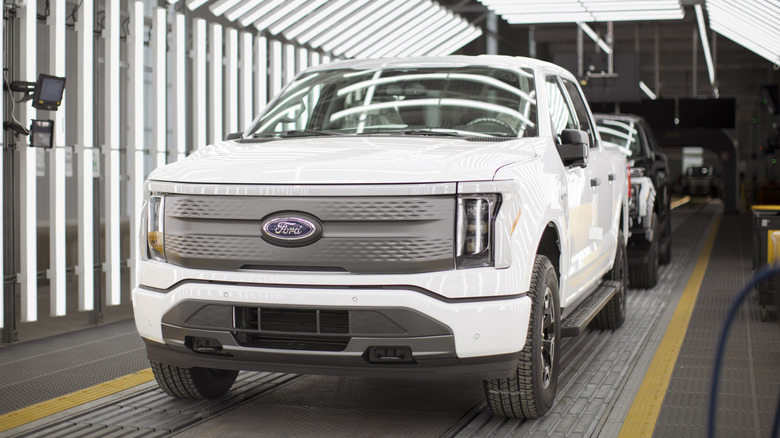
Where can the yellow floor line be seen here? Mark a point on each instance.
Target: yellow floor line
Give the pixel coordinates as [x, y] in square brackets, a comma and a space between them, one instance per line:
[641, 418]
[59, 404]
[678, 202]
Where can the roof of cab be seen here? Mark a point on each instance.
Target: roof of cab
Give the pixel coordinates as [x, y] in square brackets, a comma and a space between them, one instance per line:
[500, 61]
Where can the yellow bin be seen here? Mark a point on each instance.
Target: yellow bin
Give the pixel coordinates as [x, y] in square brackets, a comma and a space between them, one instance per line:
[766, 252]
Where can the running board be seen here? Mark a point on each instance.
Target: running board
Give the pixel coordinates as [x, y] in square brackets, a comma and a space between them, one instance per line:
[576, 323]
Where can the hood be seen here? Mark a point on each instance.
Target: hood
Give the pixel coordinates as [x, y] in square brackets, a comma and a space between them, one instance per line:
[348, 160]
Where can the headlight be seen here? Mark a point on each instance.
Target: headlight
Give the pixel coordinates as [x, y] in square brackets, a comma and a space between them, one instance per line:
[475, 230]
[155, 227]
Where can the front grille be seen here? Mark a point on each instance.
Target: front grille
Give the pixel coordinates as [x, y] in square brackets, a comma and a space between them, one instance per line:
[381, 234]
[292, 329]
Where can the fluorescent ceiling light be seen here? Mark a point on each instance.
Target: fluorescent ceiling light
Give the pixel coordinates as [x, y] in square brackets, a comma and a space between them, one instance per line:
[219, 7]
[347, 8]
[401, 15]
[195, 4]
[535, 11]
[259, 11]
[457, 43]
[349, 26]
[296, 16]
[752, 24]
[313, 19]
[592, 34]
[277, 14]
[647, 90]
[361, 30]
[443, 34]
[415, 35]
[242, 8]
[705, 43]
[400, 35]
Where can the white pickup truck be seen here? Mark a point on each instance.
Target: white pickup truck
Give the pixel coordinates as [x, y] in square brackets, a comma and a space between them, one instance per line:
[424, 217]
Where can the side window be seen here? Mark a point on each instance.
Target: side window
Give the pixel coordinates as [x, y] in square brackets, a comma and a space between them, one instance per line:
[581, 109]
[561, 116]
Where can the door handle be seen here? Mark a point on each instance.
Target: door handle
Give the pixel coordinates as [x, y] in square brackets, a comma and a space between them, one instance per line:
[611, 176]
[595, 182]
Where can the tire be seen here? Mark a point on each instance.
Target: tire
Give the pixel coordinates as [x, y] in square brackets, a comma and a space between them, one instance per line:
[193, 383]
[614, 313]
[665, 257]
[646, 275]
[530, 392]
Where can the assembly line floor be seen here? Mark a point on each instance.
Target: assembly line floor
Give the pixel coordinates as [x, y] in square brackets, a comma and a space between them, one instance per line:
[650, 377]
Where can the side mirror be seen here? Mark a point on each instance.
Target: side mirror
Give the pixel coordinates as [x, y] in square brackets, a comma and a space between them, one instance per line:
[661, 162]
[233, 136]
[574, 147]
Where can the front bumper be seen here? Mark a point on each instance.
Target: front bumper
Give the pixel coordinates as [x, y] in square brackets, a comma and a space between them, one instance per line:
[401, 330]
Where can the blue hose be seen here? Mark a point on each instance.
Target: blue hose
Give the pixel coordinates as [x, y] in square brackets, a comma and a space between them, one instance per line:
[758, 278]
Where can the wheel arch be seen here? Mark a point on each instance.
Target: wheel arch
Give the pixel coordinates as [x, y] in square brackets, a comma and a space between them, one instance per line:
[550, 246]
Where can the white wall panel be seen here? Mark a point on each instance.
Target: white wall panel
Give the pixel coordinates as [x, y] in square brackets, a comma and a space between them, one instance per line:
[111, 151]
[57, 201]
[276, 76]
[261, 74]
[2, 189]
[84, 154]
[245, 113]
[199, 55]
[159, 83]
[231, 81]
[179, 88]
[135, 149]
[215, 105]
[289, 64]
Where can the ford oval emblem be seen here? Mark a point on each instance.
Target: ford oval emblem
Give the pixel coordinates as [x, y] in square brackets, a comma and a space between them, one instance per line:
[291, 229]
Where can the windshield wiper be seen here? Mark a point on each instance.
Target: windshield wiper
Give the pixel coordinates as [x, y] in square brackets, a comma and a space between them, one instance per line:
[295, 133]
[416, 132]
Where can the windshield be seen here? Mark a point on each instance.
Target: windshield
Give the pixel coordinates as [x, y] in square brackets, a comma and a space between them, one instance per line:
[622, 134]
[479, 101]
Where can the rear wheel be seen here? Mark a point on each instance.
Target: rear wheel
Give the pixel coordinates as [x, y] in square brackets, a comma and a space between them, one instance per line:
[665, 257]
[614, 313]
[646, 275]
[193, 383]
[530, 392]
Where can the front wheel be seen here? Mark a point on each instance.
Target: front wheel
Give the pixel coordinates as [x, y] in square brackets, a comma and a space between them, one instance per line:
[193, 383]
[530, 392]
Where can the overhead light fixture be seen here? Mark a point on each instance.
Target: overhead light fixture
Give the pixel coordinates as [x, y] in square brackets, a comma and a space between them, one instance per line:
[751, 24]
[313, 19]
[219, 7]
[277, 14]
[647, 90]
[348, 27]
[365, 24]
[258, 12]
[400, 35]
[296, 16]
[595, 37]
[345, 9]
[572, 11]
[705, 43]
[241, 9]
[195, 4]
[402, 15]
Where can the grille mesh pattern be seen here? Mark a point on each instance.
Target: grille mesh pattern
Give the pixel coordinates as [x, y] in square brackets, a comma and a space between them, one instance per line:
[341, 209]
[382, 234]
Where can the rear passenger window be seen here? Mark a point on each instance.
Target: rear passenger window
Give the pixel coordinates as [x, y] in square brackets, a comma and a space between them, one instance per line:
[561, 116]
[580, 107]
